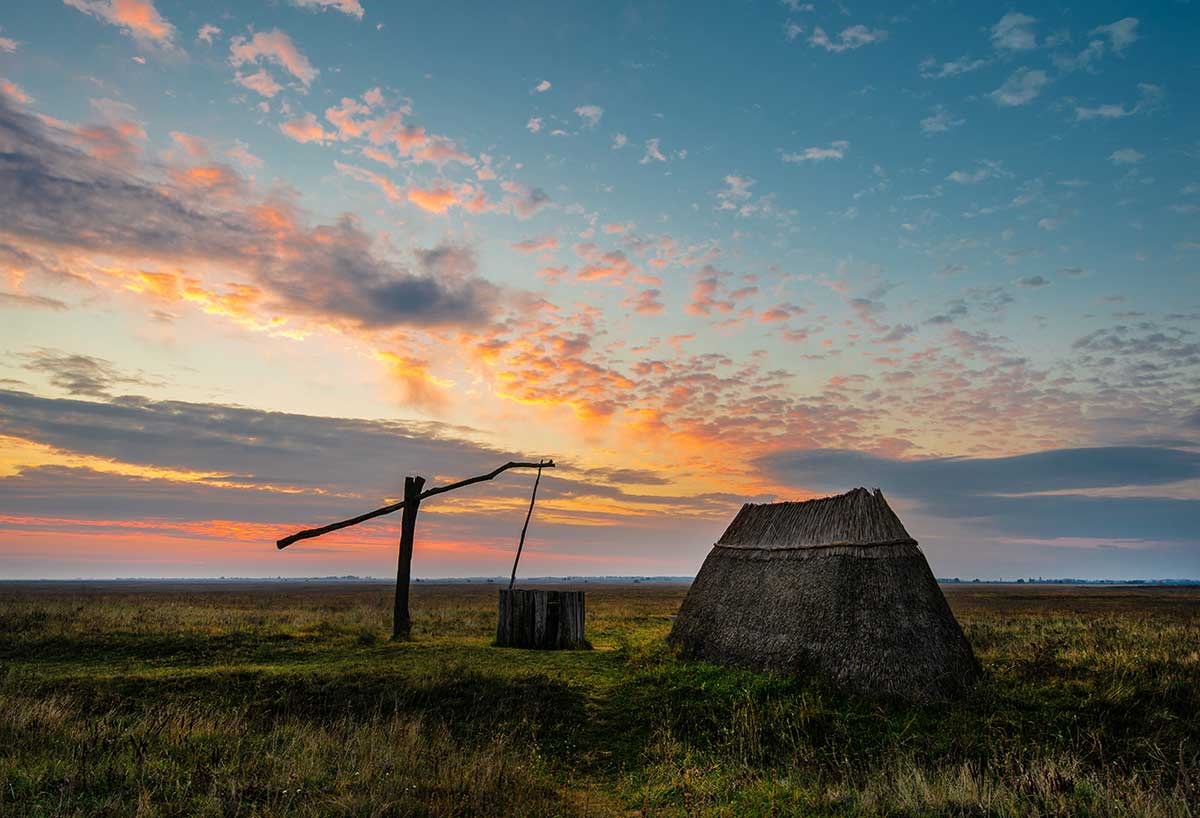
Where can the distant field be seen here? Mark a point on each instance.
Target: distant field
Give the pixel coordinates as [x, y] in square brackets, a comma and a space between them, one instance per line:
[272, 699]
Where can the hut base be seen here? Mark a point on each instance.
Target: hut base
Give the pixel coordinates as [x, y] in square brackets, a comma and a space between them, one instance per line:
[870, 618]
[545, 620]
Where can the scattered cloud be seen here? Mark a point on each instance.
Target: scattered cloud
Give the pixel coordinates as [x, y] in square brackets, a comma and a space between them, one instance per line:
[1149, 97]
[523, 201]
[14, 92]
[653, 153]
[259, 82]
[736, 196]
[987, 169]
[437, 197]
[206, 33]
[137, 18]
[351, 7]
[1126, 156]
[848, 39]
[939, 121]
[1014, 32]
[1021, 88]
[930, 68]
[80, 374]
[305, 129]
[646, 302]
[542, 87]
[35, 301]
[835, 150]
[1033, 282]
[240, 153]
[590, 114]
[619, 141]
[271, 47]
[537, 244]
[1112, 38]
[534, 125]
[1120, 34]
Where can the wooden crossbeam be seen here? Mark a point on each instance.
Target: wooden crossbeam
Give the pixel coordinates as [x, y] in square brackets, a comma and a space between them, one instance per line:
[309, 533]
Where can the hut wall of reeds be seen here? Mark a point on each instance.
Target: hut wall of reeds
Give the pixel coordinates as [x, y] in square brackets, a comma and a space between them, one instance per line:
[833, 587]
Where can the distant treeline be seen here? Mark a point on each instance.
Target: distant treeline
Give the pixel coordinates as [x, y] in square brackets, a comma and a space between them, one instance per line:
[1071, 581]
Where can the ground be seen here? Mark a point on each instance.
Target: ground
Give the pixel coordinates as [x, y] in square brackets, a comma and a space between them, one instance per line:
[269, 699]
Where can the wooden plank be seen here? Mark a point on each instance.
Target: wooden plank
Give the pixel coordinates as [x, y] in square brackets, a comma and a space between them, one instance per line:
[540, 620]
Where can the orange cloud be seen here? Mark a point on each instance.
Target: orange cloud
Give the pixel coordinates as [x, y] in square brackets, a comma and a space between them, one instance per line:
[260, 82]
[613, 265]
[193, 146]
[388, 187]
[215, 178]
[437, 199]
[305, 129]
[418, 386]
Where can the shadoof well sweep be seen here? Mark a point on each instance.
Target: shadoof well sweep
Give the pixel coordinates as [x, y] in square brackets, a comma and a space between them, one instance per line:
[526, 619]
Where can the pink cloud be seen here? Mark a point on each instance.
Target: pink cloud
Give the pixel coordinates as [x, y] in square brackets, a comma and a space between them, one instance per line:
[780, 312]
[305, 129]
[612, 265]
[645, 303]
[272, 46]
[14, 92]
[389, 188]
[380, 156]
[137, 18]
[705, 293]
[193, 146]
[537, 244]
[260, 82]
[240, 153]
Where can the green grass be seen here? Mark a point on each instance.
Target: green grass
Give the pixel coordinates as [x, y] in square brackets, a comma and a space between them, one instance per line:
[267, 700]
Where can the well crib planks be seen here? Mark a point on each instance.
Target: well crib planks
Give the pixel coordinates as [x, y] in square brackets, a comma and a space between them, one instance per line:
[543, 620]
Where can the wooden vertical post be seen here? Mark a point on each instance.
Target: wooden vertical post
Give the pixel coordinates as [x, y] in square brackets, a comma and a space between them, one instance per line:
[401, 623]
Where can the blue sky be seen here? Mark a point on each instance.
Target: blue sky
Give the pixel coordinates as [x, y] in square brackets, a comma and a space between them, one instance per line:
[707, 242]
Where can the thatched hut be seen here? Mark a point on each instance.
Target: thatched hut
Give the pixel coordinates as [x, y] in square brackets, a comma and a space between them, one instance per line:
[833, 587]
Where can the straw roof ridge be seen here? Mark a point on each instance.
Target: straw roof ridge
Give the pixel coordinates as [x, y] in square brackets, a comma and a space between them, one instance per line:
[859, 517]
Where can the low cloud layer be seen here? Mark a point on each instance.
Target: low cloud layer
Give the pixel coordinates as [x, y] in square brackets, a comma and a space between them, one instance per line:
[1009, 495]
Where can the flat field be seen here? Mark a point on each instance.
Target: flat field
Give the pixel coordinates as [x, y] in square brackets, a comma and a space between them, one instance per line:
[272, 699]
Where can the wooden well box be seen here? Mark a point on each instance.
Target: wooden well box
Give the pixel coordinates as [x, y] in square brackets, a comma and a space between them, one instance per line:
[545, 620]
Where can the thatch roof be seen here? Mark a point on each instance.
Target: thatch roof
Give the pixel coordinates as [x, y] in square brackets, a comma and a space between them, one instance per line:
[834, 587]
[857, 517]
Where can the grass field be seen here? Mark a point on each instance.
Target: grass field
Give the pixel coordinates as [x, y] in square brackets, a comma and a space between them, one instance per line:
[288, 699]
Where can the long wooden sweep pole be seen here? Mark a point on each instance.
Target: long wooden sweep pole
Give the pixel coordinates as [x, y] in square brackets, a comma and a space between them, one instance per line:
[309, 533]
[524, 528]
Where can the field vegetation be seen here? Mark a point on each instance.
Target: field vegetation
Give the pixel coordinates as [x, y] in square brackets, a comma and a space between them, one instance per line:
[276, 699]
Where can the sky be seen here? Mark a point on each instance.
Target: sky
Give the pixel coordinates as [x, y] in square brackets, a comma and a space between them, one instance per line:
[260, 262]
